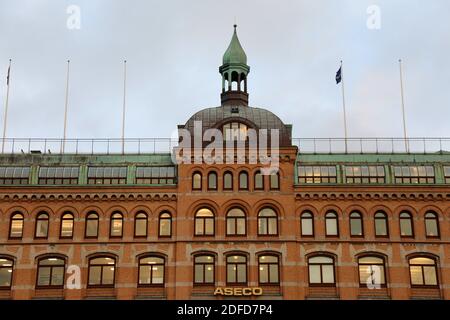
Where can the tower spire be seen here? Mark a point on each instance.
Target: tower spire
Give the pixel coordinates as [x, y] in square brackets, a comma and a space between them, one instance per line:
[234, 71]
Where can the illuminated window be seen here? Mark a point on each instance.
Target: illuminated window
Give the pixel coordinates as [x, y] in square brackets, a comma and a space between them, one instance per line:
[204, 222]
[236, 269]
[107, 175]
[14, 175]
[307, 224]
[414, 174]
[50, 272]
[91, 225]
[364, 174]
[67, 225]
[243, 180]
[267, 222]
[41, 226]
[406, 225]
[140, 224]
[269, 270]
[447, 174]
[258, 181]
[6, 271]
[234, 131]
[58, 175]
[165, 224]
[151, 271]
[321, 271]
[317, 174]
[155, 175]
[331, 224]
[116, 225]
[212, 181]
[371, 272]
[356, 224]
[101, 272]
[423, 272]
[381, 224]
[431, 224]
[227, 181]
[236, 222]
[197, 181]
[204, 270]
[16, 229]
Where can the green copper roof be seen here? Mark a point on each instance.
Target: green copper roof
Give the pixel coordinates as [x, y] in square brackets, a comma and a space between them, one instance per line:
[235, 53]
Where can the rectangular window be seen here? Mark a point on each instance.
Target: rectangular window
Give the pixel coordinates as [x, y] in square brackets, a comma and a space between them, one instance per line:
[317, 174]
[107, 175]
[58, 175]
[14, 175]
[447, 174]
[364, 174]
[155, 175]
[414, 174]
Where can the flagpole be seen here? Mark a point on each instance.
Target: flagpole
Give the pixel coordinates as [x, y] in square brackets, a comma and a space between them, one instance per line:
[63, 145]
[124, 103]
[343, 107]
[403, 106]
[6, 107]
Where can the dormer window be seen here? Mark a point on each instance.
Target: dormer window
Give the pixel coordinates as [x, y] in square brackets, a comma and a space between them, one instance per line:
[234, 131]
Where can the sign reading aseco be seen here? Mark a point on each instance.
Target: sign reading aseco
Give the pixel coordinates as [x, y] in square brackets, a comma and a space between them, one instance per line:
[231, 291]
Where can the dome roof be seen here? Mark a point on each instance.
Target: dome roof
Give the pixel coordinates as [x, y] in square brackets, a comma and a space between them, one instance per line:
[256, 118]
[235, 54]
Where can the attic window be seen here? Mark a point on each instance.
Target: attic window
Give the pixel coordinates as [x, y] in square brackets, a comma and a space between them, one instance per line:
[234, 131]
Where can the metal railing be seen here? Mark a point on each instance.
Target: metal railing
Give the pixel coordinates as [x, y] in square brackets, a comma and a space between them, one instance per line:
[166, 145]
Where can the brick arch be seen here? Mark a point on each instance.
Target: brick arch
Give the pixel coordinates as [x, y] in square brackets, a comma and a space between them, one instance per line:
[418, 253]
[205, 252]
[355, 207]
[212, 205]
[51, 254]
[139, 208]
[39, 209]
[278, 207]
[306, 207]
[158, 254]
[236, 252]
[405, 207]
[95, 209]
[430, 207]
[106, 253]
[162, 208]
[59, 213]
[331, 207]
[117, 208]
[366, 253]
[196, 168]
[236, 203]
[380, 207]
[26, 214]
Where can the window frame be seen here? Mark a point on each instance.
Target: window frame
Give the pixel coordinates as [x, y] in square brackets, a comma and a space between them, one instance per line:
[236, 264]
[152, 285]
[411, 220]
[371, 255]
[40, 214]
[261, 188]
[224, 188]
[96, 180]
[50, 286]
[212, 174]
[111, 223]
[436, 220]
[435, 265]
[302, 218]
[268, 219]
[87, 219]
[321, 264]
[137, 219]
[204, 265]
[101, 285]
[11, 260]
[336, 218]
[268, 264]
[386, 222]
[271, 187]
[236, 220]
[170, 224]
[11, 219]
[241, 188]
[72, 219]
[193, 181]
[45, 179]
[197, 218]
[361, 221]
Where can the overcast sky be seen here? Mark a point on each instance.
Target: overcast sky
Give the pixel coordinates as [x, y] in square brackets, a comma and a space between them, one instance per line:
[174, 49]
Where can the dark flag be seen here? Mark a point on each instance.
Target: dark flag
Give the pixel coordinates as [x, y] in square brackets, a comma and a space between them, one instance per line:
[7, 77]
[339, 75]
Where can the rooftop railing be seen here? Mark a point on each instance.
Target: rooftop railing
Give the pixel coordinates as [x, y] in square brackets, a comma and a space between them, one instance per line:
[166, 145]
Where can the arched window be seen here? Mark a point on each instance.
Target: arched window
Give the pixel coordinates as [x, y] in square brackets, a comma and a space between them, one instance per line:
[140, 224]
[204, 222]
[197, 181]
[66, 225]
[50, 272]
[151, 271]
[321, 271]
[165, 224]
[212, 181]
[275, 181]
[331, 224]
[101, 272]
[204, 270]
[307, 224]
[381, 224]
[431, 224]
[234, 131]
[16, 226]
[423, 272]
[91, 230]
[356, 224]
[269, 270]
[267, 222]
[116, 226]
[236, 222]
[406, 225]
[372, 272]
[236, 269]
[41, 231]
[228, 181]
[258, 181]
[243, 180]
[6, 272]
